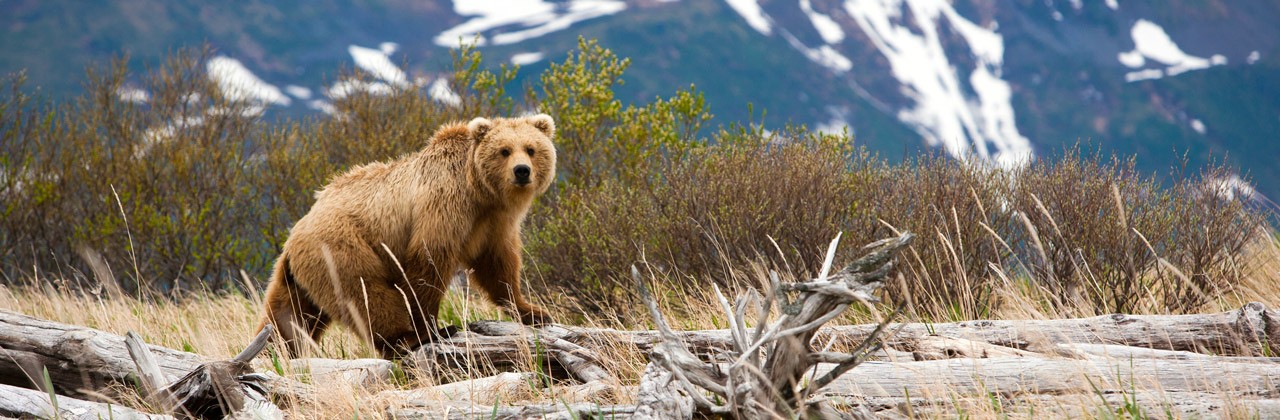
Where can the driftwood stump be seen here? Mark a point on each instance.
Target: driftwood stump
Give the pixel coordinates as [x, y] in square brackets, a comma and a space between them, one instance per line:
[212, 390]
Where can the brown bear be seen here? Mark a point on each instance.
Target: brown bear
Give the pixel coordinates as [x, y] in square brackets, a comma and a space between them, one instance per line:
[380, 245]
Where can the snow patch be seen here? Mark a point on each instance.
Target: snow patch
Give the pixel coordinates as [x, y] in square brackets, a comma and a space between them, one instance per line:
[1150, 41]
[378, 63]
[154, 136]
[440, 91]
[981, 125]
[825, 56]
[1132, 59]
[388, 48]
[1198, 125]
[532, 19]
[135, 95]
[826, 27]
[1253, 57]
[1230, 188]
[345, 88]
[751, 11]
[523, 59]
[830, 58]
[836, 126]
[239, 84]
[299, 92]
[250, 111]
[322, 106]
[1140, 75]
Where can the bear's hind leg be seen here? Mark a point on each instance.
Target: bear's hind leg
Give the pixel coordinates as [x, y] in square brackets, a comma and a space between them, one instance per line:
[413, 325]
[297, 320]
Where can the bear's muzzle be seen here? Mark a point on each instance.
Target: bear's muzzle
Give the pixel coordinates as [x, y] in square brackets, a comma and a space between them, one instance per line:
[522, 173]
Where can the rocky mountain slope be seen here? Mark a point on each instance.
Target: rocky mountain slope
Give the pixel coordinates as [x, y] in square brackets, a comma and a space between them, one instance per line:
[1000, 80]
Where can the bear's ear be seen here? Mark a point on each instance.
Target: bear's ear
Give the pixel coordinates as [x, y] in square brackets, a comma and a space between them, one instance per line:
[544, 123]
[479, 127]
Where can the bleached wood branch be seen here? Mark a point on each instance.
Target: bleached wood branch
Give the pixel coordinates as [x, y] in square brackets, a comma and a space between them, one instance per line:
[751, 389]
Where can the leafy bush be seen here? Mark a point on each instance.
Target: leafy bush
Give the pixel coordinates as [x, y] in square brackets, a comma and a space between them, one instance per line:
[191, 187]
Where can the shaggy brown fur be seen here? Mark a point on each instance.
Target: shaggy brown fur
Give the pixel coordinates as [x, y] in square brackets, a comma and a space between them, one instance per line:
[379, 247]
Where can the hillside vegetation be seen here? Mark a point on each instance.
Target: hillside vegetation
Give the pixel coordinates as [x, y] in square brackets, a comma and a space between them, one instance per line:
[193, 192]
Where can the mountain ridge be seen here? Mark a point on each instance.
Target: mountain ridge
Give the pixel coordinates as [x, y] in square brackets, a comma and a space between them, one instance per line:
[1001, 80]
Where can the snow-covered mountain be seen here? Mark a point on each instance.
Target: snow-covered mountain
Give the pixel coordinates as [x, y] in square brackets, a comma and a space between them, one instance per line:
[998, 80]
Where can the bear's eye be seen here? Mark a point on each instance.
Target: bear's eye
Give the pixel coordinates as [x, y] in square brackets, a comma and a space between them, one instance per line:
[529, 151]
[506, 152]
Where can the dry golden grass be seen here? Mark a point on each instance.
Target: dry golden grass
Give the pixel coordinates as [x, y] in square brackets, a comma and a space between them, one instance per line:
[219, 325]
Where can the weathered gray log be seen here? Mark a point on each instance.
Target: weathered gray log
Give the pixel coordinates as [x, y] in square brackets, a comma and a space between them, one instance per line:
[509, 346]
[447, 410]
[660, 396]
[29, 403]
[1116, 351]
[82, 361]
[1175, 404]
[78, 358]
[359, 372]
[480, 390]
[936, 347]
[971, 377]
[1245, 332]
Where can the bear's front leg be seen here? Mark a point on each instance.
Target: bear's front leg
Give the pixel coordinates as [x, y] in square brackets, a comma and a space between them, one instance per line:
[497, 271]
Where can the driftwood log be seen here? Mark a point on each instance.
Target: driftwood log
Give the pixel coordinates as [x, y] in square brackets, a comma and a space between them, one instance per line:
[82, 362]
[78, 359]
[1204, 365]
[1142, 403]
[507, 346]
[1209, 356]
[29, 403]
[1246, 332]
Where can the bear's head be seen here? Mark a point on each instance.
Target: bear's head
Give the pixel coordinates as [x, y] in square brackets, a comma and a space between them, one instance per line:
[514, 156]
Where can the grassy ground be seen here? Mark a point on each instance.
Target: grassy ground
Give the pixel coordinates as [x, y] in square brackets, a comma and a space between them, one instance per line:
[219, 325]
[1077, 235]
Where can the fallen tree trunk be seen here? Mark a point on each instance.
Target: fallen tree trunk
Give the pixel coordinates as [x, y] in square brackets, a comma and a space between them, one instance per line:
[81, 361]
[1022, 375]
[30, 403]
[1245, 332]
[1248, 331]
[458, 411]
[78, 358]
[1141, 404]
[505, 346]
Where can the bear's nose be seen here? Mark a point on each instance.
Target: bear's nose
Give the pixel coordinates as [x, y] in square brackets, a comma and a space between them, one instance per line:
[522, 174]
